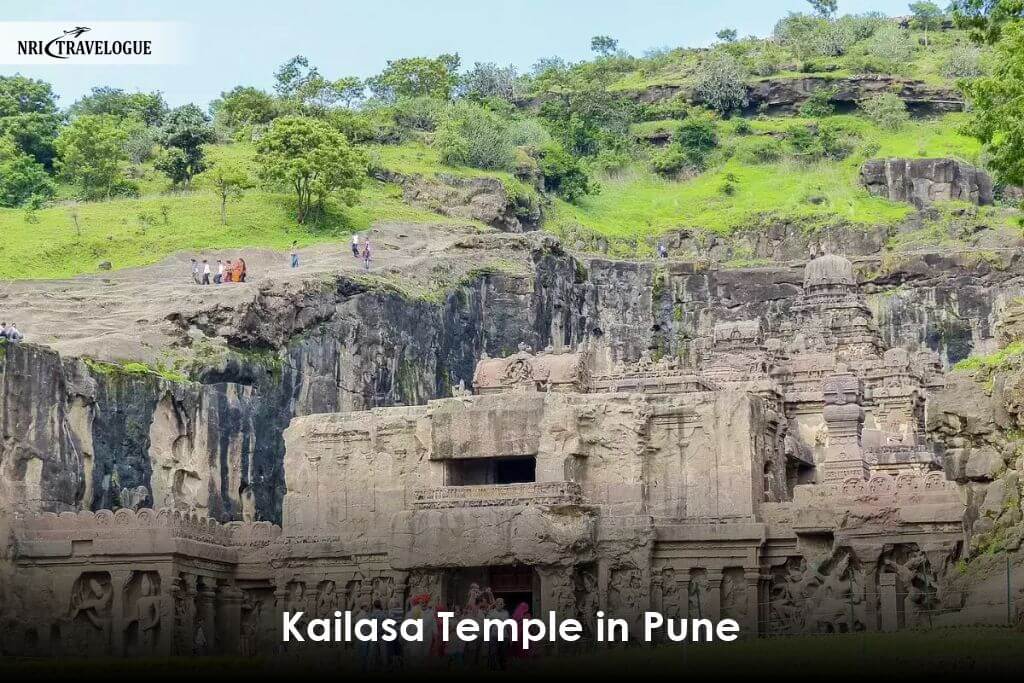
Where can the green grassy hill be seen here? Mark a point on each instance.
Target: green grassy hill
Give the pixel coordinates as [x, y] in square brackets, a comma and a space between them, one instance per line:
[757, 175]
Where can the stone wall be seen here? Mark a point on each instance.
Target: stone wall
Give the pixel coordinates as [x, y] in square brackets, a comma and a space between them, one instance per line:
[924, 181]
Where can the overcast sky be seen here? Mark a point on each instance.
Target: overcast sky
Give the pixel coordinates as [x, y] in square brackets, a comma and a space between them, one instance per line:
[243, 42]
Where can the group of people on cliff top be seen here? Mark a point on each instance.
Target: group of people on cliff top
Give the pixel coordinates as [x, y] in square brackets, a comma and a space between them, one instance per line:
[203, 273]
[10, 333]
[223, 272]
[480, 604]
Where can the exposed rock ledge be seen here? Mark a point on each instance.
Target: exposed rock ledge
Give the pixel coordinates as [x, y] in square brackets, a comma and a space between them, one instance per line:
[923, 181]
[480, 199]
[785, 95]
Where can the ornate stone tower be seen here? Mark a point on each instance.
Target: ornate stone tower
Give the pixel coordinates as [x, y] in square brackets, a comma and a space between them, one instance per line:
[844, 417]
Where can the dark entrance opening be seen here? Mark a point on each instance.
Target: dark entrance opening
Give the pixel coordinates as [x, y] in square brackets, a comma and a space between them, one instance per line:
[512, 583]
[482, 471]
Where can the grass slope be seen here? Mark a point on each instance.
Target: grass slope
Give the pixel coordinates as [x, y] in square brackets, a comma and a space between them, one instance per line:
[638, 204]
[135, 232]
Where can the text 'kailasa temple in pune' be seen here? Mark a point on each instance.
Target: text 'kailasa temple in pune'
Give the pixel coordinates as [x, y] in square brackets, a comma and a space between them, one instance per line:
[780, 477]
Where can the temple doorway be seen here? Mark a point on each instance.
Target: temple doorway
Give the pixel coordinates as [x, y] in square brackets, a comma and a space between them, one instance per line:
[513, 583]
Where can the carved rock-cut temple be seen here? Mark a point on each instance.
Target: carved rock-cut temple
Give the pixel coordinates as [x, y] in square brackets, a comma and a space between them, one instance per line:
[777, 476]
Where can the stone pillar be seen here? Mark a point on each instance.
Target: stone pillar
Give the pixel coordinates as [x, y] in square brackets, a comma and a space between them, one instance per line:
[168, 590]
[887, 595]
[713, 600]
[684, 597]
[844, 416]
[229, 619]
[206, 616]
[118, 584]
[753, 579]
[184, 607]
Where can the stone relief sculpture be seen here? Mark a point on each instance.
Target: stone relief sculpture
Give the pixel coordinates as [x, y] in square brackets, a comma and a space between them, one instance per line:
[144, 611]
[90, 613]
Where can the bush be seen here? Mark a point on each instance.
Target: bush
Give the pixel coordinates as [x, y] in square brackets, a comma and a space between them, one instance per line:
[742, 127]
[886, 110]
[564, 174]
[21, 177]
[418, 113]
[890, 44]
[819, 104]
[721, 83]
[761, 150]
[964, 61]
[610, 161]
[691, 147]
[528, 133]
[729, 184]
[470, 135]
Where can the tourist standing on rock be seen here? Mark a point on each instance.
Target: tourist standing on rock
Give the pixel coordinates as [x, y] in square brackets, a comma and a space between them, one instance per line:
[295, 253]
[367, 254]
[206, 272]
[13, 334]
[242, 271]
[355, 245]
[219, 277]
[662, 250]
[195, 271]
[3, 330]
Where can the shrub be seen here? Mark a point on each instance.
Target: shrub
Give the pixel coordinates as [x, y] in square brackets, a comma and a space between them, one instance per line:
[691, 146]
[890, 44]
[964, 61]
[819, 103]
[721, 83]
[761, 150]
[729, 184]
[886, 110]
[742, 127]
[418, 113]
[564, 174]
[470, 135]
[610, 161]
[528, 133]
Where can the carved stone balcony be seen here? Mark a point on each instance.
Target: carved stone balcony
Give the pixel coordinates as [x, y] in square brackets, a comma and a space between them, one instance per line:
[539, 493]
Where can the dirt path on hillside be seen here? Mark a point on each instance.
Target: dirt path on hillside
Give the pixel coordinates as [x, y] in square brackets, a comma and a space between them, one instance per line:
[123, 314]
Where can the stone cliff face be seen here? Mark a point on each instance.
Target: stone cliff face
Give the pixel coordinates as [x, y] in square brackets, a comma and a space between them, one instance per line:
[78, 434]
[924, 181]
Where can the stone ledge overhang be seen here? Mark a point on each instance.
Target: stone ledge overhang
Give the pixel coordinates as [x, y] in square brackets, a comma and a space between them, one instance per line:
[533, 493]
[721, 532]
[492, 535]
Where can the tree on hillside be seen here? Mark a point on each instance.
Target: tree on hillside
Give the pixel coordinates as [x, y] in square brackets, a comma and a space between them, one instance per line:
[90, 152]
[244, 106]
[727, 35]
[313, 160]
[29, 116]
[927, 16]
[416, 77]
[986, 18]
[487, 79]
[230, 179]
[149, 108]
[605, 46]
[470, 135]
[824, 8]
[721, 83]
[184, 132]
[21, 177]
[997, 103]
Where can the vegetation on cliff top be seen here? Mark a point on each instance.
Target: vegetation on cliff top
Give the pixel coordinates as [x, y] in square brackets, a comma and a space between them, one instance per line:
[119, 179]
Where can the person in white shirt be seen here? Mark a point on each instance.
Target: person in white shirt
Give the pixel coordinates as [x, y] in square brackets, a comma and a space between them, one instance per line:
[355, 245]
[219, 277]
[206, 272]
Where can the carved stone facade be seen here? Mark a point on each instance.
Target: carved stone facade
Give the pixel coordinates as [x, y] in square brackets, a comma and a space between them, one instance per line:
[779, 477]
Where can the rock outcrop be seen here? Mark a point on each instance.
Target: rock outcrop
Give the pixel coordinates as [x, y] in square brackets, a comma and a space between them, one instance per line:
[785, 95]
[481, 199]
[923, 181]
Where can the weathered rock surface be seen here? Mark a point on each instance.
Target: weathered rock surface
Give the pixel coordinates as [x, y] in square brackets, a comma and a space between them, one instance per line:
[480, 199]
[924, 181]
[785, 95]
